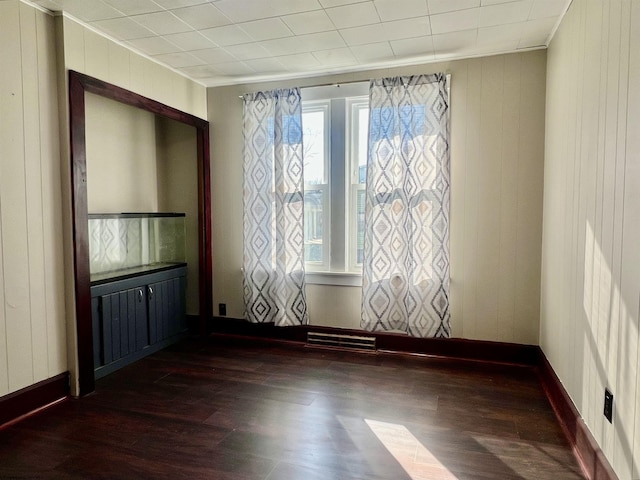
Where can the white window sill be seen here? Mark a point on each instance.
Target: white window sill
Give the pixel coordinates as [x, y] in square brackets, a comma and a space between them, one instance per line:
[344, 279]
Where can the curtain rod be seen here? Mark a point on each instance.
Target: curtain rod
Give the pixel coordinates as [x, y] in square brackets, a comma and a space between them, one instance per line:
[332, 84]
[337, 84]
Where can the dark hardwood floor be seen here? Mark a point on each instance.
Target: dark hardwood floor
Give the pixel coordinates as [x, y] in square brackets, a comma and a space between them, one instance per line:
[223, 408]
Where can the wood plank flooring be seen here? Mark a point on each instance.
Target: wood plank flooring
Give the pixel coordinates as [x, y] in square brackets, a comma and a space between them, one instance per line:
[228, 409]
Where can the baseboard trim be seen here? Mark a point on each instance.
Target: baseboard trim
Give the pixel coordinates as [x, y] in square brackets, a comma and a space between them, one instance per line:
[458, 348]
[584, 445]
[33, 398]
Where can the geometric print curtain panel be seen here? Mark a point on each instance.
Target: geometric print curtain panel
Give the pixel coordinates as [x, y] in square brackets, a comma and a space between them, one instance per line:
[273, 262]
[406, 246]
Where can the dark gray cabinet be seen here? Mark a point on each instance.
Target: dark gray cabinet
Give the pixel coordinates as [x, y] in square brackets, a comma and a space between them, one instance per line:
[136, 316]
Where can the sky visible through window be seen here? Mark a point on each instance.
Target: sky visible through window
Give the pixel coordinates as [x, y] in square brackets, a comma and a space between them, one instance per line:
[313, 145]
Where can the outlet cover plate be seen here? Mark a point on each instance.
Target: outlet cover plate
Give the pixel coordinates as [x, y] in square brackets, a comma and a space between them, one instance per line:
[608, 405]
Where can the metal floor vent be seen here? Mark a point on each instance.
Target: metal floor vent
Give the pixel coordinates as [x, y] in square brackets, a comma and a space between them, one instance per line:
[341, 341]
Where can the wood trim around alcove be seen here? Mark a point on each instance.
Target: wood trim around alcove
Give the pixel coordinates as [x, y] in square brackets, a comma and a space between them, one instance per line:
[79, 84]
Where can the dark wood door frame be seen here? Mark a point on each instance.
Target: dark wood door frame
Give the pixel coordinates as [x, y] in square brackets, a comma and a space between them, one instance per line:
[79, 84]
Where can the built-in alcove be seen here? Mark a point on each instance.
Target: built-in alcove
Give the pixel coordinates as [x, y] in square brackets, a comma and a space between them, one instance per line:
[133, 154]
[138, 161]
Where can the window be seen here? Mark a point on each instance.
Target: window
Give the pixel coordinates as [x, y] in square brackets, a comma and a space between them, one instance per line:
[317, 219]
[335, 131]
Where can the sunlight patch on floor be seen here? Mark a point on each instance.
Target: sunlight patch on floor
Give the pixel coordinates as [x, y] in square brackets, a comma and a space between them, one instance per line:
[415, 458]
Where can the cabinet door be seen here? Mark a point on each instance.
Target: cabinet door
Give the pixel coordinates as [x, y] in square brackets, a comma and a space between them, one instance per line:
[166, 308]
[123, 324]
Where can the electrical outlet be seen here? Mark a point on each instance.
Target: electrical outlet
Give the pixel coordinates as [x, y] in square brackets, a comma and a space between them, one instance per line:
[608, 405]
[222, 309]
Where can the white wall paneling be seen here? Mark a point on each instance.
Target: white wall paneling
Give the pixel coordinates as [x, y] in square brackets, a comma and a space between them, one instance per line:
[591, 274]
[32, 313]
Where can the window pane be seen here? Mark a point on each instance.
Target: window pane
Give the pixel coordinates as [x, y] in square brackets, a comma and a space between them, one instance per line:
[313, 226]
[313, 144]
[363, 133]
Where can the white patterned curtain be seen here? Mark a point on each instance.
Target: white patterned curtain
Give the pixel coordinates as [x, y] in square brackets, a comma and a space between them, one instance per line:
[273, 265]
[406, 249]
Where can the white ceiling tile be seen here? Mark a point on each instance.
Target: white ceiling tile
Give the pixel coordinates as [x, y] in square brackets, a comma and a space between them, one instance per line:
[363, 35]
[408, 47]
[153, 45]
[337, 3]
[227, 35]
[309, 22]
[213, 55]
[202, 16]
[494, 2]
[353, 15]
[177, 3]
[266, 29]
[287, 7]
[536, 32]
[373, 52]
[495, 48]
[321, 41]
[409, 27]
[234, 68]
[190, 40]
[122, 28]
[413, 27]
[498, 33]
[455, 42]
[247, 51]
[394, 10]
[304, 61]
[547, 8]
[304, 43]
[162, 23]
[511, 12]
[135, 7]
[200, 71]
[443, 6]
[253, 37]
[89, 11]
[265, 65]
[178, 60]
[455, 21]
[335, 57]
[283, 46]
[249, 10]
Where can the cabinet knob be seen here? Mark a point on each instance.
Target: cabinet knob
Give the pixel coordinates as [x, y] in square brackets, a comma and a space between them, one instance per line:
[140, 295]
[150, 293]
